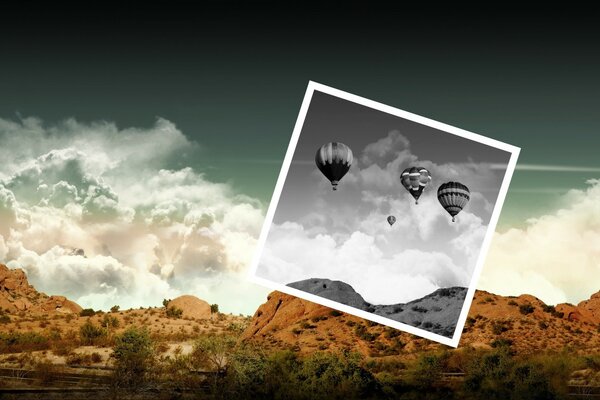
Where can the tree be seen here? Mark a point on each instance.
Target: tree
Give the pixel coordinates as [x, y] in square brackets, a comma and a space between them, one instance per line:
[214, 308]
[114, 309]
[134, 357]
[211, 352]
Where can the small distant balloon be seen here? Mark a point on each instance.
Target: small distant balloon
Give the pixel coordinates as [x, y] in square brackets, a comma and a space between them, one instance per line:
[334, 160]
[415, 179]
[391, 220]
[453, 196]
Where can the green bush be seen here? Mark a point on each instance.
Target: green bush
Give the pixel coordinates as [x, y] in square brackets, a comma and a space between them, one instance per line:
[214, 308]
[87, 312]
[90, 334]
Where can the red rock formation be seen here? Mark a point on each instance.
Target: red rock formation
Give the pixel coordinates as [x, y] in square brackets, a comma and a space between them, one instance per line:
[17, 295]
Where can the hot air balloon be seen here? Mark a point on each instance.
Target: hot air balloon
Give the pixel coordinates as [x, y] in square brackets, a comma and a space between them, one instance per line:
[453, 196]
[414, 179]
[334, 160]
[391, 220]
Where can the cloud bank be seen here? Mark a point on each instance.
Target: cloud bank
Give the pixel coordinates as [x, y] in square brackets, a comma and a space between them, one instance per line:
[114, 216]
[345, 236]
[555, 257]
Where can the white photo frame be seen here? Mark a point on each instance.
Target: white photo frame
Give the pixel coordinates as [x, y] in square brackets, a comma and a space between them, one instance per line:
[514, 153]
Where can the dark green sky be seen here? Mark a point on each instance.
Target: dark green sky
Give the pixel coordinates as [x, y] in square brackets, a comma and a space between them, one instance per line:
[233, 79]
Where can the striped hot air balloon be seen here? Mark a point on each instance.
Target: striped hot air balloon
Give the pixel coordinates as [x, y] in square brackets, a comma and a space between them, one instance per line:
[334, 160]
[415, 179]
[391, 220]
[453, 196]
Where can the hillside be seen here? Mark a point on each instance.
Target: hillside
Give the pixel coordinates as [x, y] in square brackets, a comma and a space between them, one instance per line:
[524, 322]
[437, 312]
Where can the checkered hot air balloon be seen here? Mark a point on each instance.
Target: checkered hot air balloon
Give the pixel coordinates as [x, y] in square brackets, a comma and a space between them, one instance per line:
[415, 179]
[334, 160]
[453, 196]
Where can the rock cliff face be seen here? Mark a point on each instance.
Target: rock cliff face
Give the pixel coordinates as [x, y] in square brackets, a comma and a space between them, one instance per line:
[16, 295]
[437, 312]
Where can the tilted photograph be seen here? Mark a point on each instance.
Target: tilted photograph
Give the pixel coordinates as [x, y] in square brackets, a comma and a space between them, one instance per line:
[384, 214]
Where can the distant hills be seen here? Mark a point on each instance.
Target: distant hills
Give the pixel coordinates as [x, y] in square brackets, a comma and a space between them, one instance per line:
[437, 312]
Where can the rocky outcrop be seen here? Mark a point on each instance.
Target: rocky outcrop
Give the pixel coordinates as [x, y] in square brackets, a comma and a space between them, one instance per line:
[17, 295]
[524, 322]
[191, 307]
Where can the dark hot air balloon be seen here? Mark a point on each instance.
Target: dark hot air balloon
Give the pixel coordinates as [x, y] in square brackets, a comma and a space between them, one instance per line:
[334, 160]
[414, 179]
[453, 196]
[391, 220]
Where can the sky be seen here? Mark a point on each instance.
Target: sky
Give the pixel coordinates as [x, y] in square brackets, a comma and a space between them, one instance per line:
[344, 235]
[232, 83]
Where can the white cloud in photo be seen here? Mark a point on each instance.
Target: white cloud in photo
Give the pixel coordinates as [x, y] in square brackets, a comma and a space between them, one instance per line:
[344, 235]
[555, 257]
[145, 230]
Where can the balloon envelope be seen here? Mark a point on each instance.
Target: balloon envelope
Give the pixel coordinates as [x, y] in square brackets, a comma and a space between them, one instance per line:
[453, 196]
[415, 179]
[391, 220]
[334, 160]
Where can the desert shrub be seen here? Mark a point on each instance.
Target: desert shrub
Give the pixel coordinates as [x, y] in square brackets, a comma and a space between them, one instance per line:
[499, 327]
[419, 309]
[426, 371]
[110, 322]
[391, 333]
[543, 325]
[91, 334]
[87, 312]
[498, 375]
[4, 319]
[214, 308]
[362, 332]
[134, 358]
[165, 302]
[306, 325]
[76, 359]
[336, 313]
[96, 357]
[16, 342]
[45, 371]
[319, 318]
[513, 303]
[526, 309]
[211, 352]
[174, 312]
[115, 309]
[63, 347]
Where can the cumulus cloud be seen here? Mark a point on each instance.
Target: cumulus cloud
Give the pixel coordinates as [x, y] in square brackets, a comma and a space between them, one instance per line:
[345, 236]
[555, 257]
[106, 216]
